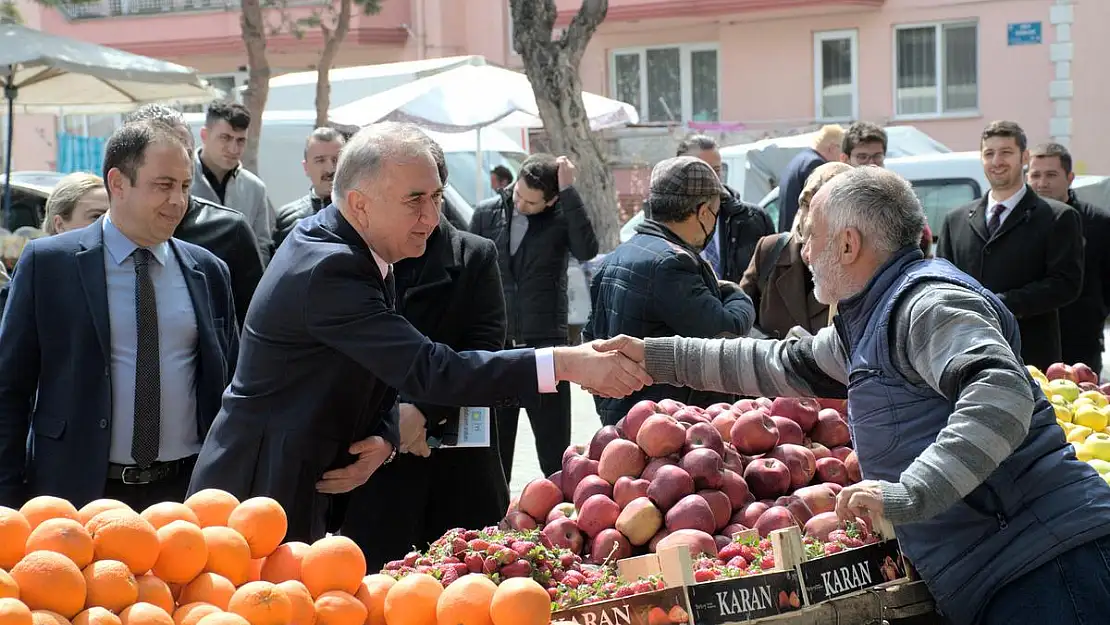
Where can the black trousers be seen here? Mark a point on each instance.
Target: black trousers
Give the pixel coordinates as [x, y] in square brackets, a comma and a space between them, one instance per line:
[550, 420]
[142, 496]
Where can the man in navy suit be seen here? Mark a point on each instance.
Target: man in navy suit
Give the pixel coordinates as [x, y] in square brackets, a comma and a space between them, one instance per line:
[311, 411]
[116, 342]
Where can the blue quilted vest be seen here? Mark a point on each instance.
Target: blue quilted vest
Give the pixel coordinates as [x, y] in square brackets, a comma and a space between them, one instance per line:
[1040, 503]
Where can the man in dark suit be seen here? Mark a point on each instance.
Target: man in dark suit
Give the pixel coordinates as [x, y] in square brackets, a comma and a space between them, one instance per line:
[825, 148]
[309, 413]
[1082, 321]
[117, 341]
[1025, 248]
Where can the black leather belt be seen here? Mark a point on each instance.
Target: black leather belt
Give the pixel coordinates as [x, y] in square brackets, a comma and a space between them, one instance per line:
[134, 475]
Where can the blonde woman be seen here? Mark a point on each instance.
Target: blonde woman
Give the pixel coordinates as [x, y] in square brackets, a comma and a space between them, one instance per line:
[78, 200]
[778, 281]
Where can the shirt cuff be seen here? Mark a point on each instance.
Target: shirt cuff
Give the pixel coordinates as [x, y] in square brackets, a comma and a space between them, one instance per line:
[545, 369]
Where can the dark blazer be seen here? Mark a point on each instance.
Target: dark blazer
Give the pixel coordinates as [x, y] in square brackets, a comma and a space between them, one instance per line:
[786, 300]
[792, 182]
[452, 294]
[1082, 321]
[1034, 263]
[55, 344]
[322, 352]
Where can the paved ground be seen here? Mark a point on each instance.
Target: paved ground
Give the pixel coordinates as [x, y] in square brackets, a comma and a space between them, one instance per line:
[584, 424]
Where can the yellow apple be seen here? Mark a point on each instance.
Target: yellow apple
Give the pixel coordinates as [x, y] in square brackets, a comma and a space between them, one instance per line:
[1101, 466]
[1106, 477]
[1068, 427]
[1057, 399]
[1083, 401]
[1033, 371]
[1099, 445]
[1079, 434]
[1082, 452]
[1066, 388]
[1091, 417]
[1098, 398]
[1063, 413]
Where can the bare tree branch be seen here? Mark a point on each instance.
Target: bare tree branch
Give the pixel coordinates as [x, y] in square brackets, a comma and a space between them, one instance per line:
[332, 41]
[582, 28]
[252, 24]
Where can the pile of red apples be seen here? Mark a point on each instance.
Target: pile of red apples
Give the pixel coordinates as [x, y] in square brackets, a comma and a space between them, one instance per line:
[670, 474]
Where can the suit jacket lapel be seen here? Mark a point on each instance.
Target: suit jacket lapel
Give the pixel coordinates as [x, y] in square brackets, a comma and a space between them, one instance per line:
[440, 266]
[1019, 214]
[90, 268]
[978, 219]
[791, 280]
[197, 284]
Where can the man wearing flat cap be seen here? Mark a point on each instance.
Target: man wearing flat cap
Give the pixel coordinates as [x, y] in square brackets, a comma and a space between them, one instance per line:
[656, 284]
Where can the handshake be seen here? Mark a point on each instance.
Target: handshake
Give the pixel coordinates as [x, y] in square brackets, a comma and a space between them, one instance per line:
[609, 368]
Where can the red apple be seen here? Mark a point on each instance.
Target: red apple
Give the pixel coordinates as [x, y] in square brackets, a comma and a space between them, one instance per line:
[723, 424]
[717, 409]
[799, 460]
[626, 489]
[1088, 386]
[636, 416]
[819, 498]
[764, 403]
[797, 506]
[539, 497]
[670, 484]
[565, 509]
[564, 533]
[697, 541]
[596, 513]
[839, 405]
[520, 522]
[733, 460]
[831, 430]
[834, 487]
[754, 433]
[609, 544]
[800, 410]
[722, 542]
[621, 457]
[841, 453]
[767, 478]
[735, 487]
[819, 525]
[789, 431]
[701, 435]
[658, 538]
[514, 505]
[654, 464]
[832, 470]
[851, 464]
[743, 406]
[705, 466]
[751, 513]
[639, 521]
[819, 451]
[589, 486]
[670, 406]
[556, 478]
[775, 518]
[661, 436]
[720, 504]
[1104, 389]
[732, 529]
[1083, 373]
[1059, 370]
[572, 451]
[691, 513]
[690, 415]
[574, 470]
[602, 438]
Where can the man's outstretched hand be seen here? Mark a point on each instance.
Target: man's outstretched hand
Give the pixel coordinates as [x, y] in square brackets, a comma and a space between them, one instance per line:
[605, 372]
[631, 347]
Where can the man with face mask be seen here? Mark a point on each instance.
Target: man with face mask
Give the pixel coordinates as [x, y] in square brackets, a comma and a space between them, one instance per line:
[321, 154]
[657, 284]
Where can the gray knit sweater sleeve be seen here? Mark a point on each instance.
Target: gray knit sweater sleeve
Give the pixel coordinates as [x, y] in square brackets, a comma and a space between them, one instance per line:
[945, 336]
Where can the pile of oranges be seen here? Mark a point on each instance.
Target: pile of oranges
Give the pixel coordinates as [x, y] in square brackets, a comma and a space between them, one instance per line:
[214, 560]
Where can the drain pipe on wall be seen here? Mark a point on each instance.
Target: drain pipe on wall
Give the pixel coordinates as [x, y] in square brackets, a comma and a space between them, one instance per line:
[1061, 88]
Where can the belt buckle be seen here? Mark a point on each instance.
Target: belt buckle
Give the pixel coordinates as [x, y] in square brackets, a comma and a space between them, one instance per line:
[137, 473]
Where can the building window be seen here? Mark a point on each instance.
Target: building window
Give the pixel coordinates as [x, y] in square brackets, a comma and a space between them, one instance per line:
[936, 69]
[835, 72]
[668, 84]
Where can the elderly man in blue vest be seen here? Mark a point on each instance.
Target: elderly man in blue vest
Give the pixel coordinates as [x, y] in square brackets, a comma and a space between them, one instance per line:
[958, 446]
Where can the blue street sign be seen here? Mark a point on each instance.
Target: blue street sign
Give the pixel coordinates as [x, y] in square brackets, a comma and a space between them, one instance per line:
[1023, 33]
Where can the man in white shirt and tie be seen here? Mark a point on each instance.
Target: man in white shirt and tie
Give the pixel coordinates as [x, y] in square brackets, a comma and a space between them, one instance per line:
[1025, 248]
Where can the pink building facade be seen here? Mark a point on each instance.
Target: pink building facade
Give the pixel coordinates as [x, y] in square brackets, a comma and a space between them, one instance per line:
[740, 69]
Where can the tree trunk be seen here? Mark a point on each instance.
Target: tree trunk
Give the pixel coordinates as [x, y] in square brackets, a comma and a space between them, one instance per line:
[333, 38]
[253, 27]
[552, 68]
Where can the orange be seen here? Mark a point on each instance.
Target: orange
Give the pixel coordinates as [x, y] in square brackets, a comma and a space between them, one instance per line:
[93, 508]
[161, 514]
[13, 612]
[254, 574]
[304, 612]
[333, 563]
[223, 618]
[467, 601]
[182, 552]
[228, 554]
[8, 588]
[50, 581]
[96, 616]
[155, 592]
[111, 585]
[262, 522]
[145, 614]
[46, 617]
[372, 592]
[190, 613]
[520, 601]
[284, 563]
[261, 603]
[45, 507]
[125, 536]
[14, 531]
[212, 506]
[208, 588]
[64, 536]
[412, 600]
[336, 607]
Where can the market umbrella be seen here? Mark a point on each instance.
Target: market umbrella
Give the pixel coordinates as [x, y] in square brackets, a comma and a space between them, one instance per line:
[48, 74]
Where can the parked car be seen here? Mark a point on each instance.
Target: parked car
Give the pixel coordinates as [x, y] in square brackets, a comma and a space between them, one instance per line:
[29, 192]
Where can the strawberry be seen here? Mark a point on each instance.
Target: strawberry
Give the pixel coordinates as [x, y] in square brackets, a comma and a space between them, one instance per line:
[641, 586]
[470, 534]
[450, 560]
[458, 546]
[729, 552]
[519, 568]
[553, 593]
[523, 547]
[659, 585]
[705, 575]
[748, 553]
[566, 560]
[831, 548]
[449, 576]
[625, 591]
[767, 562]
[393, 565]
[490, 565]
[459, 568]
[838, 536]
[765, 544]
[478, 544]
[474, 562]
[738, 562]
[852, 542]
[411, 558]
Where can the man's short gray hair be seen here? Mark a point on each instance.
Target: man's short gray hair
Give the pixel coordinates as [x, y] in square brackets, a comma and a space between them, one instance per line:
[370, 148]
[880, 204]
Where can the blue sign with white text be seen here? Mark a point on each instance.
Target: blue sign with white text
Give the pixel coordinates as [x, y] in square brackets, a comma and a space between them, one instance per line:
[1023, 33]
